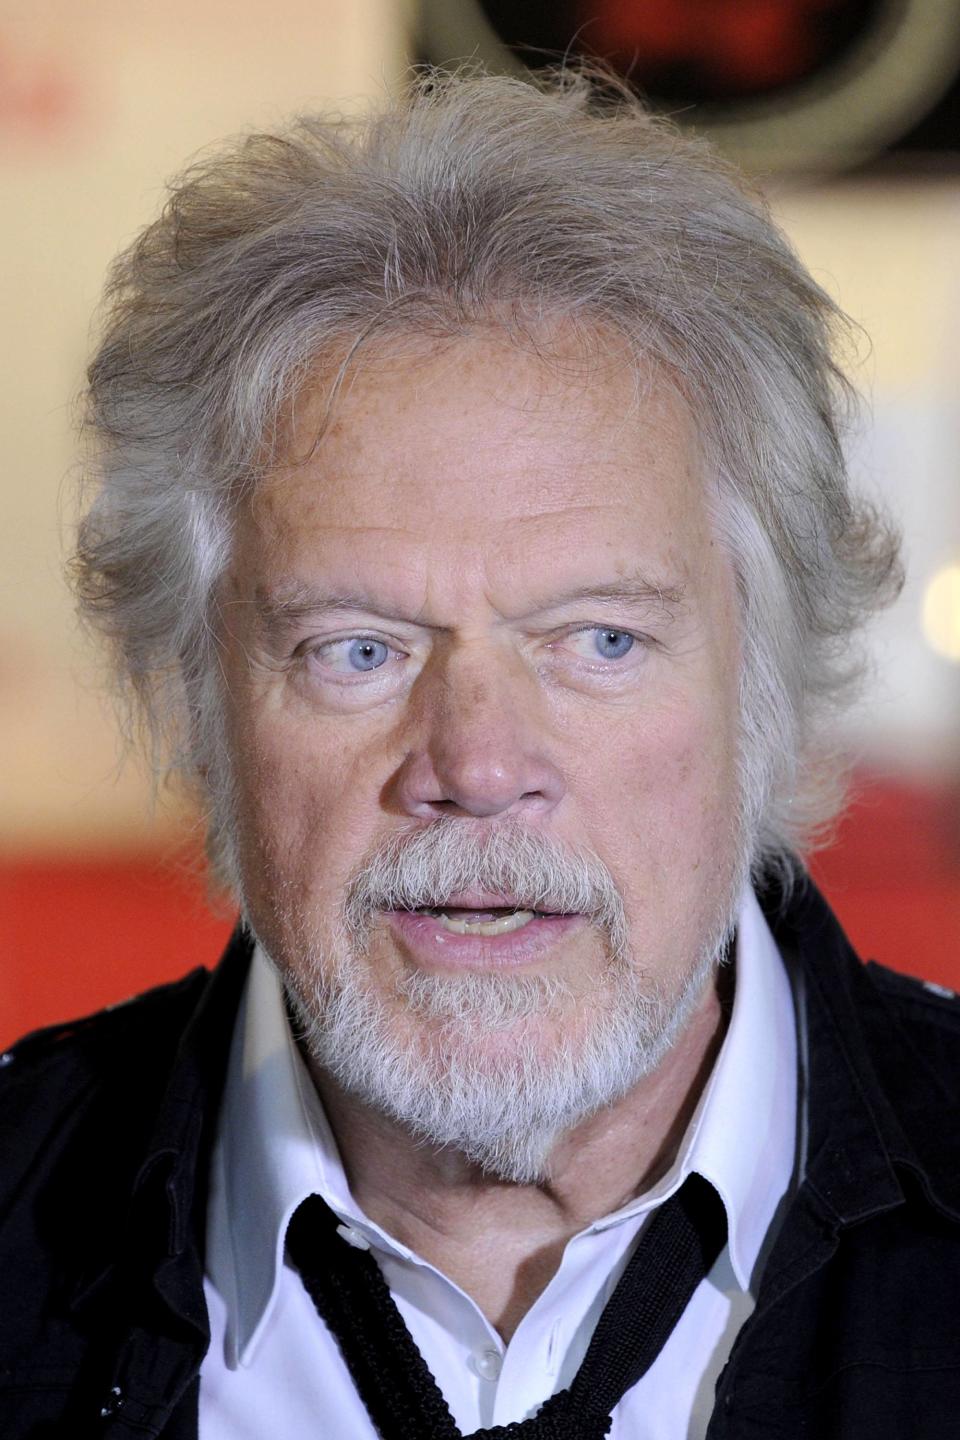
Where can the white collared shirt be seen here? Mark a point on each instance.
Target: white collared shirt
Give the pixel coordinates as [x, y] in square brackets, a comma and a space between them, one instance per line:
[273, 1369]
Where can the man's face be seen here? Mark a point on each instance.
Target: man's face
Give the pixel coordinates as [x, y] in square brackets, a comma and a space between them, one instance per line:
[490, 597]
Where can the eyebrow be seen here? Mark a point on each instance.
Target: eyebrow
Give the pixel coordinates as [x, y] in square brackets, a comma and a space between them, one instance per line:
[289, 604]
[630, 590]
[295, 601]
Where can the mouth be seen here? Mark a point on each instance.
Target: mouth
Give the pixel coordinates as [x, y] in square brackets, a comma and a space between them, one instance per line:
[493, 920]
[482, 912]
[480, 927]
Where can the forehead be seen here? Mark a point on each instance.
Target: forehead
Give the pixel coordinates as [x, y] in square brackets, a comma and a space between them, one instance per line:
[485, 451]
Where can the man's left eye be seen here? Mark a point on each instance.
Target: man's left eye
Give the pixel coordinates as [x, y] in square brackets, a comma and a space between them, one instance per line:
[355, 655]
[605, 643]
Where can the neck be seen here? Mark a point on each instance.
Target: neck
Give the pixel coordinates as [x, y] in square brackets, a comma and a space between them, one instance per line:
[502, 1242]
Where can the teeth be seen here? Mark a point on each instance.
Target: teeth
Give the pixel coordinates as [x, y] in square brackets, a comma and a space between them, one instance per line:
[502, 925]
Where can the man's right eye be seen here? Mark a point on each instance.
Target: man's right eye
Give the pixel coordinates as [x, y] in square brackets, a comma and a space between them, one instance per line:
[353, 655]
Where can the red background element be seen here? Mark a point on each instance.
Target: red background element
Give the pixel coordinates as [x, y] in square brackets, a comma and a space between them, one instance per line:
[40, 91]
[754, 43]
[77, 935]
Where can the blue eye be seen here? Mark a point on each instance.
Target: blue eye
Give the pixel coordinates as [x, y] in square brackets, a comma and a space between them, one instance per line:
[365, 654]
[355, 655]
[613, 644]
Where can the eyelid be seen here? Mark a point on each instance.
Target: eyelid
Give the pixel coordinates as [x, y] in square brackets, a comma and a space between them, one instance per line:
[320, 642]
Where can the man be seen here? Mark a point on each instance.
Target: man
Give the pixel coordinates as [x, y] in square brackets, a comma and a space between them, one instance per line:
[473, 527]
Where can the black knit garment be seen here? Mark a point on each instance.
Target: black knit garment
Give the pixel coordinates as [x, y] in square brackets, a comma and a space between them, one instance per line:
[676, 1250]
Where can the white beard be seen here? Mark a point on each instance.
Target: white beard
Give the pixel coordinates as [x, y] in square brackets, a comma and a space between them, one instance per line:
[495, 1066]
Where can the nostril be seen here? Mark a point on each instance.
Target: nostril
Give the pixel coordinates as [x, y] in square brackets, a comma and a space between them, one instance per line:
[476, 799]
[464, 771]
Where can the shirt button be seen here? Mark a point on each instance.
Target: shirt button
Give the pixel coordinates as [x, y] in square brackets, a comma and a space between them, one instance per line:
[112, 1404]
[353, 1237]
[930, 985]
[487, 1364]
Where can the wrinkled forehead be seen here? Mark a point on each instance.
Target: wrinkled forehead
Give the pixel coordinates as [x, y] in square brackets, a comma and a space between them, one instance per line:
[572, 363]
[539, 405]
[483, 466]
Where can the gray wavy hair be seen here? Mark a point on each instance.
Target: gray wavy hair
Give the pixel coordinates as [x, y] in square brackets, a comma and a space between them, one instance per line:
[477, 198]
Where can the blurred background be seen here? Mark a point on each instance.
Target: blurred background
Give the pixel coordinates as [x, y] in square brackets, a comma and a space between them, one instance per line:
[848, 113]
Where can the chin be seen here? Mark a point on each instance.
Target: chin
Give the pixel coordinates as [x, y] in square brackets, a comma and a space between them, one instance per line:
[497, 1068]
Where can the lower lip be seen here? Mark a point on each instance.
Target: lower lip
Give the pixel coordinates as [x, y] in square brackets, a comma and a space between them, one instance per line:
[428, 943]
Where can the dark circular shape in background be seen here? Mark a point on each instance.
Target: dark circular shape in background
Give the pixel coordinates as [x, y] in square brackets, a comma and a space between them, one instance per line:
[782, 85]
[686, 52]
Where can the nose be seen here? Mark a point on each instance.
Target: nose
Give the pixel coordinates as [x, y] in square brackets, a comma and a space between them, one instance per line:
[482, 748]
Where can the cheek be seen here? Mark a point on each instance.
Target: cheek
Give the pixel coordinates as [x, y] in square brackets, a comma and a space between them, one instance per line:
[669, 833]
[308, 805]
[666, 786]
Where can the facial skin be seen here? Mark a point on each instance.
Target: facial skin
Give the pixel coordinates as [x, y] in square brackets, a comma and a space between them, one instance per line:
[490, 595]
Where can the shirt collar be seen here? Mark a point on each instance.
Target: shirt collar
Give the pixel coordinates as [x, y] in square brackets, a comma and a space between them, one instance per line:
[744, 1137]
[275, 1146]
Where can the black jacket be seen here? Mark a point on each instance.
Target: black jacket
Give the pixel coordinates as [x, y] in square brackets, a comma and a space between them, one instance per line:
[105, 1133]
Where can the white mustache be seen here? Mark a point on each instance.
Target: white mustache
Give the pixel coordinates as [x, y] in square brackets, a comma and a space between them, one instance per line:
[420, 869]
